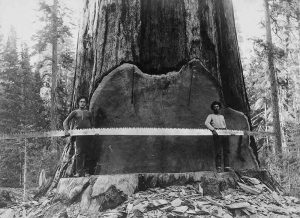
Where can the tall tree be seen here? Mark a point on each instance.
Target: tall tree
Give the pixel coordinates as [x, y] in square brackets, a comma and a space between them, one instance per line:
[52, 39]
[118, 32]
[22, 109]
[298, 21]
[273, 82]
[1, 47]
[11, 84]
[34, 115]
[11, 119]
[54, 36]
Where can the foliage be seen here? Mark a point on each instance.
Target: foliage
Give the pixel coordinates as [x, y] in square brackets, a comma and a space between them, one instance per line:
[285, 31]
[44, 36]
[24, 104]
[42, 49]
[21, 109]
[11, 83]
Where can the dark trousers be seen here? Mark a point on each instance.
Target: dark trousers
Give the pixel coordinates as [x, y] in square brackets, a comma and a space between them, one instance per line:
[84, 155]
[221, 144]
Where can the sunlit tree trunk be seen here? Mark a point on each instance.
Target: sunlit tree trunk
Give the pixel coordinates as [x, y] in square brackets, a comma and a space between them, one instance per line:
[273, 82]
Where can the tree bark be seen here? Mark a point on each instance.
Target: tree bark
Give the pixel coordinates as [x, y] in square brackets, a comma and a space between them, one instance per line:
[53, 108]
[273, 82]
[132, 48]
[297, 84]
[133, 32]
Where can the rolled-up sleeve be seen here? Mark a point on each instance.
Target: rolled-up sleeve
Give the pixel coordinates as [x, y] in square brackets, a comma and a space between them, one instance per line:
[207, 123]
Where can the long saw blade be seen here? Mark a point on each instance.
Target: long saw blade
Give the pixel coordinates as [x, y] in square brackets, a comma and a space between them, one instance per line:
[133, 132]
[56, 133]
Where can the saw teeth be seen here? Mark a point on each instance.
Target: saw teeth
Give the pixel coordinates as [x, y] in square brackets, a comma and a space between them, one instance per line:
[138, 130]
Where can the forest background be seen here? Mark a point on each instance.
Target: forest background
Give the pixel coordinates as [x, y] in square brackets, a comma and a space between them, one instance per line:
[37, 65]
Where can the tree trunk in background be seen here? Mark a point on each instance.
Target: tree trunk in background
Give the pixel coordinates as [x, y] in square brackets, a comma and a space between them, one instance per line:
[297, 85]
[53, 108]
[273, 82]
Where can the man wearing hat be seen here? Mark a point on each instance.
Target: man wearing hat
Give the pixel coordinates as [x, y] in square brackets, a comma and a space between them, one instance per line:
[214, 122]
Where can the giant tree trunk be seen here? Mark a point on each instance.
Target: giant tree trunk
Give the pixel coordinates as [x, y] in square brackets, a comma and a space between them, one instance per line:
[160, 63]
[159, 36]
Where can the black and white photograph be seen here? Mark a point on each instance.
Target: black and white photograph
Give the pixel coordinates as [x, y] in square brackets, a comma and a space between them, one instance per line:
[149, 108]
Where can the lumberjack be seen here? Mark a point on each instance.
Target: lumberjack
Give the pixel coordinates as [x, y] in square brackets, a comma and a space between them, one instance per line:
[82, 120]
[214, 122]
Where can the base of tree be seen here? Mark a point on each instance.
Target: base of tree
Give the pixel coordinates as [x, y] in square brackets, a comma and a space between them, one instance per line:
[102, 192]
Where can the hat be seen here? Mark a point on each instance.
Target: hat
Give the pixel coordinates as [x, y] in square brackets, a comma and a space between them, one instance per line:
[215, 103]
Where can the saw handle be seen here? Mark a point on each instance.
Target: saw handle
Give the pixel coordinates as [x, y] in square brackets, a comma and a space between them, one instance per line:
[67, 134]
[214, 132]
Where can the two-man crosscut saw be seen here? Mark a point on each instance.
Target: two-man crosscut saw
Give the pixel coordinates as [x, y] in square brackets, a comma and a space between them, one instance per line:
[132, 132]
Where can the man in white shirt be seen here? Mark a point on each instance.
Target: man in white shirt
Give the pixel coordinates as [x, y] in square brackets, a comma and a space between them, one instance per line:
[213, 122]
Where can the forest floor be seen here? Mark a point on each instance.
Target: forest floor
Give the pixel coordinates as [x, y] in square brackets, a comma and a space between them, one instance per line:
[250, 198]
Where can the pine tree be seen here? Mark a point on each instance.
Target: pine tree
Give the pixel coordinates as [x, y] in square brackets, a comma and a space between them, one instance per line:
[23, 110]
[1, 48]
[273, 83]
[10, 107]
[53, 35]
[53, 48]
[284, 42]
[11, 113]
[34, 115]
